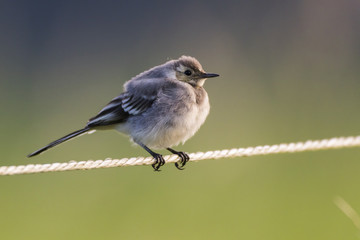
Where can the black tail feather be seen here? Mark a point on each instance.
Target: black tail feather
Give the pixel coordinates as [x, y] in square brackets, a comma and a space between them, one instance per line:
[61, 140]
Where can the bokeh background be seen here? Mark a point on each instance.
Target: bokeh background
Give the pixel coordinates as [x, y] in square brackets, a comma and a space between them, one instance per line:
[289, 72]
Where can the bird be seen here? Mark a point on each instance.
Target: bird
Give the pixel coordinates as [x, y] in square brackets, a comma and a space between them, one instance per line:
[158, 109]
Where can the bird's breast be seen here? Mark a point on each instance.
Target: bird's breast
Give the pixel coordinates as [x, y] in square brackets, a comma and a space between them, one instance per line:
[184, 120]
[172, 119]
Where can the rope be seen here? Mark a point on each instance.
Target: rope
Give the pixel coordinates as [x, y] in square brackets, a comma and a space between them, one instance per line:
[311, 145]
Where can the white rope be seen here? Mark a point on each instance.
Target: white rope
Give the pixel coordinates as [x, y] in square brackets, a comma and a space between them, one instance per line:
[310, 145]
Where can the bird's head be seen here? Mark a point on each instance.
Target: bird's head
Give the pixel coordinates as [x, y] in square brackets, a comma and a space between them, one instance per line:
[189, 70]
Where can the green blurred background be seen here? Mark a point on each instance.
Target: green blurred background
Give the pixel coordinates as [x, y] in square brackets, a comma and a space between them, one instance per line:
[289, 72]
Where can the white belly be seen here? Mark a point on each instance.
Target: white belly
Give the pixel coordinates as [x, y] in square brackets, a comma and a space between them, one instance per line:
[169, 129]
[184, 128]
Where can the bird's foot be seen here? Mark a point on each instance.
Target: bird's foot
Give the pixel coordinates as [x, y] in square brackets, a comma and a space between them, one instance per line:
[184, 158]
[159, 161]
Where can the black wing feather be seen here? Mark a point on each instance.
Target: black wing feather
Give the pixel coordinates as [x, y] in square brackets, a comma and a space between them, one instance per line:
[120, 108]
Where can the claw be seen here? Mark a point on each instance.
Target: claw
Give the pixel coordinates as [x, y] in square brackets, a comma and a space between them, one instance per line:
[184, 158]
[178, 167]
[159, 161]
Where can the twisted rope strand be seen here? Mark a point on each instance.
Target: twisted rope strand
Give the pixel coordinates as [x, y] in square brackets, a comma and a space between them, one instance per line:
[310, 145]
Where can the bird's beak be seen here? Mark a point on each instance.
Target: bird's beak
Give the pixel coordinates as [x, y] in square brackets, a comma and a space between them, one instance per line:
[208, 75]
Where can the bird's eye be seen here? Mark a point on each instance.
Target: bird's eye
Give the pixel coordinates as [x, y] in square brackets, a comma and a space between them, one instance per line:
[188, 72]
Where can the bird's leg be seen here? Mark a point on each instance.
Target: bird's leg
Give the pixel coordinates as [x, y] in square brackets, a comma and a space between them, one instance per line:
[184, 158]
[159, 160]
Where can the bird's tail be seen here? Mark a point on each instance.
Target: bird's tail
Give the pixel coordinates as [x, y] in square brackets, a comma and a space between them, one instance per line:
[61, 140]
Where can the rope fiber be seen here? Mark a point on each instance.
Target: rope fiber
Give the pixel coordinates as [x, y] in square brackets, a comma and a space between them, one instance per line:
[310, 145]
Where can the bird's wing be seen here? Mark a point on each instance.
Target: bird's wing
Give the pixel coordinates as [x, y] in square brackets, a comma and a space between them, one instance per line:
[120, 108]
[136, 104]
[139, 95]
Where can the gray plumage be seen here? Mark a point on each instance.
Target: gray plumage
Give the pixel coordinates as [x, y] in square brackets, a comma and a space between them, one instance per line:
[159, 108]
